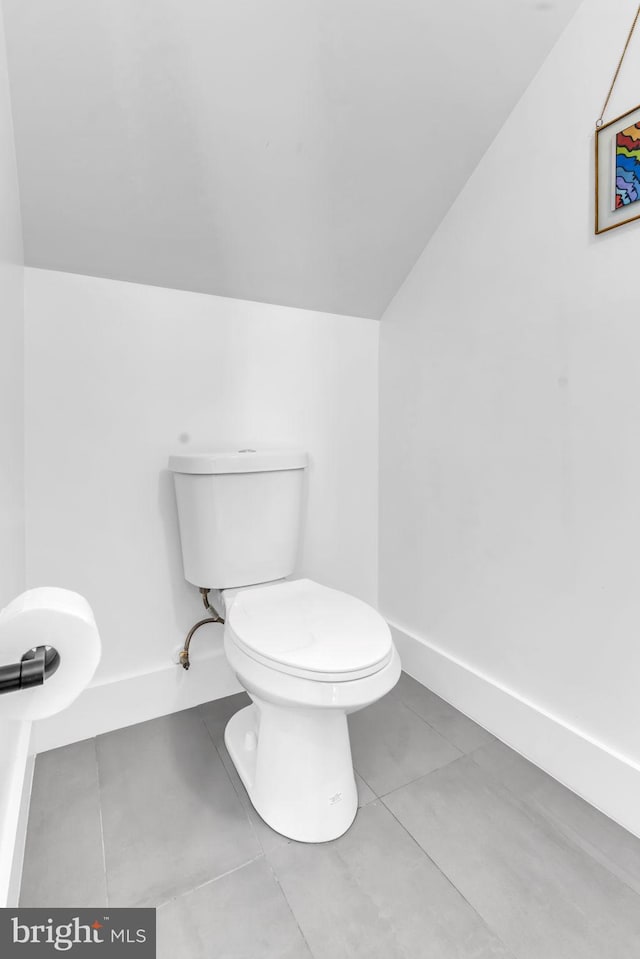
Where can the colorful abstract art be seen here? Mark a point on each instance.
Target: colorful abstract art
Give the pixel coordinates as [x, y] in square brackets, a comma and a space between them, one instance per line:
[627, 159]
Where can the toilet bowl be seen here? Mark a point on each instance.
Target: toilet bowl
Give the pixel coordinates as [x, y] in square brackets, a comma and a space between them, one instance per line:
[308, 656]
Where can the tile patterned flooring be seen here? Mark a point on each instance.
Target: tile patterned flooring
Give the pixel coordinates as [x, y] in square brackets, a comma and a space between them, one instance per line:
[461, 848]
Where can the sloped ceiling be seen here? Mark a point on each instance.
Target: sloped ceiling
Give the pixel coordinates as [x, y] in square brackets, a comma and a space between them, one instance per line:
[298, 152]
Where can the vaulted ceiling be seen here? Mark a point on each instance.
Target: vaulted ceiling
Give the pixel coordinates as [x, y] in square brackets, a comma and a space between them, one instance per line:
[299, 152]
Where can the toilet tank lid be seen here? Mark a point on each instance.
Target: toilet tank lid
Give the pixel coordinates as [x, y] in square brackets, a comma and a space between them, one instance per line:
[238, 461]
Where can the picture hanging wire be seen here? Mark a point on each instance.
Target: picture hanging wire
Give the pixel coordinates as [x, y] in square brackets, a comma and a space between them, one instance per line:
[600, 120]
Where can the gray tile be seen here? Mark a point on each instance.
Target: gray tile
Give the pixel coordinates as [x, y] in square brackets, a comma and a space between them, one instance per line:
[600, 836]
[392, 746]
[171, 817]
[63, 863]
[448, 721]
[373, 894]
[218, 712]
[511, 769]
[365, 793]
[539, 892]
[243, 915]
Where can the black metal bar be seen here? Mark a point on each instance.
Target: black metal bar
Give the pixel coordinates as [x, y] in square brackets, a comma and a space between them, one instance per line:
[36, 665]
[10, 677]
[32, 672]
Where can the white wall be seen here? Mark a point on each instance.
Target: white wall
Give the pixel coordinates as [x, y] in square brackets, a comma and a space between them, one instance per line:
[118, 376]
[510, 422]
[11, 355]
[13, 736]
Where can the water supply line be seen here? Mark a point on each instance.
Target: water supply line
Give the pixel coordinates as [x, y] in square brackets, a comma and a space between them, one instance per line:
[183, 657]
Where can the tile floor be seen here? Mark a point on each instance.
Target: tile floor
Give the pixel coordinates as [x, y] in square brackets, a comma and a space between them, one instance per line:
[461, 849]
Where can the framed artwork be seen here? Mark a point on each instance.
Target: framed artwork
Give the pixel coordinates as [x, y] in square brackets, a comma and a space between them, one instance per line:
[618, 171]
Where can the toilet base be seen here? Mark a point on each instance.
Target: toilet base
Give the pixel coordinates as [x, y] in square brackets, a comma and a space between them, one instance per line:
[295, 764]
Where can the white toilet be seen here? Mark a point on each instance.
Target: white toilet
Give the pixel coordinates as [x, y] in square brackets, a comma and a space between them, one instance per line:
[306, 654]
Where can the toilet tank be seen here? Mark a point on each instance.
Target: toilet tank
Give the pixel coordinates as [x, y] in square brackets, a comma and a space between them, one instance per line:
[239, 514]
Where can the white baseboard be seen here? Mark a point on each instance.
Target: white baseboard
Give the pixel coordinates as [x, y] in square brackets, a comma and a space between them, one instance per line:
[15, 878]
[16, 780]
[134, 699]
[603, 777]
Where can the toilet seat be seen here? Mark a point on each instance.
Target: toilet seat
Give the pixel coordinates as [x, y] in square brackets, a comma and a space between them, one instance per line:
[310, 631]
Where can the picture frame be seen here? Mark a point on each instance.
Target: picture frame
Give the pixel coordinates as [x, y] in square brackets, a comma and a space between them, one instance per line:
[618, 171]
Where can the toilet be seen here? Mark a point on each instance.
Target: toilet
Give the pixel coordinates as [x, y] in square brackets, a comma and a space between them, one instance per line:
[307, 655]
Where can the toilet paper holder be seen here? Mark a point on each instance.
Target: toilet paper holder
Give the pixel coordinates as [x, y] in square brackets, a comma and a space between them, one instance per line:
[58, 630]
[37, 664]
